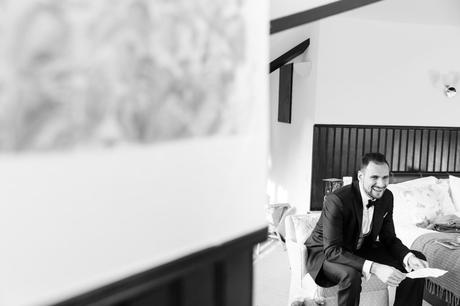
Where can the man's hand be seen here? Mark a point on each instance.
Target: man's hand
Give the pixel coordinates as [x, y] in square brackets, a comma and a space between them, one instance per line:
[416, 263]
[388, 275]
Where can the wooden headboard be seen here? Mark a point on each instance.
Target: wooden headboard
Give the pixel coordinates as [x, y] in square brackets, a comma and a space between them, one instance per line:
[412, 151]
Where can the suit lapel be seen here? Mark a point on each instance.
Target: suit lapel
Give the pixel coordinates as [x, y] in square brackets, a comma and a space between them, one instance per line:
[377, 219]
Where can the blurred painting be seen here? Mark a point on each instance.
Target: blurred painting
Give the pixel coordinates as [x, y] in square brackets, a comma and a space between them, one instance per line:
[84, 73]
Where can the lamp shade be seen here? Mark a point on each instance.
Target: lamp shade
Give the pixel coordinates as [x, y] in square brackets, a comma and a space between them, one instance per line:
[332, 184]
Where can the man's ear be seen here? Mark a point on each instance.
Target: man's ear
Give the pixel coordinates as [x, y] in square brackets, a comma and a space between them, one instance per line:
[360, 175]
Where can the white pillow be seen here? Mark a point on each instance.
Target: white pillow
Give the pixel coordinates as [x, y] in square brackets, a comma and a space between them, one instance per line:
[430, 201]
[401, 210]
[422, 200]
[419, 182]
[454, 184]
[447, 204]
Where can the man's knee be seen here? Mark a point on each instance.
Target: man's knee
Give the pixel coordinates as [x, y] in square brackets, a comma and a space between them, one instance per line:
[350, 278]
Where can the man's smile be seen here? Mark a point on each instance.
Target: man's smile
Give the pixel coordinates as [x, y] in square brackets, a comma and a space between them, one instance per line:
[379, 189]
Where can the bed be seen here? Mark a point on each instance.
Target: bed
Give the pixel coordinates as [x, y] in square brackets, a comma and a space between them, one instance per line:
[431, 202]
[425, 181]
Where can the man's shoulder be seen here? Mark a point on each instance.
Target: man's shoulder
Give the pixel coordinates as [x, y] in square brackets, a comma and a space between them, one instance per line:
[340, 198]
[341, 195]
[388, 193]
[387, 196]
[345, 192]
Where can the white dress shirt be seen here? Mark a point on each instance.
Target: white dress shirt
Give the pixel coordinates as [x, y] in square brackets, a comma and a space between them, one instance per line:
[368, 214]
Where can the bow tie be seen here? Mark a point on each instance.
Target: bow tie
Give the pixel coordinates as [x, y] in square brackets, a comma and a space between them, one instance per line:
[370, 203]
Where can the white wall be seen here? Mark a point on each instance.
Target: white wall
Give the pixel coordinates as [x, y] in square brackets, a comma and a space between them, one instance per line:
[290, 148]
[376, 72]
[363, 72]
[72, 221]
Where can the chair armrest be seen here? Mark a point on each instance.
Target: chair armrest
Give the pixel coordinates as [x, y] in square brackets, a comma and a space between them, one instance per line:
[297, 261]
[289, 232]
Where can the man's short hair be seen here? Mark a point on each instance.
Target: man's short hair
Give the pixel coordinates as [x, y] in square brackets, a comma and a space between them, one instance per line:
[375, 157]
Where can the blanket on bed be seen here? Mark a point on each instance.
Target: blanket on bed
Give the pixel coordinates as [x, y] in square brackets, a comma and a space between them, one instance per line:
[445, 287]
[446, 224]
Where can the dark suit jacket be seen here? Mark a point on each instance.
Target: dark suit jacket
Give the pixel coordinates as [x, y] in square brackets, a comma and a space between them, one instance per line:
[336, 234]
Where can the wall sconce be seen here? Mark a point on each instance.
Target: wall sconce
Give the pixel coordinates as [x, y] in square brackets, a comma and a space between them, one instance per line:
[450, 91]
[447, 80]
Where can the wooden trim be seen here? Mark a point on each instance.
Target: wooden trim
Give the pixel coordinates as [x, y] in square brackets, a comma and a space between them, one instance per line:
[289, 55]
[366, 126]
[171, 282]
[297, 19]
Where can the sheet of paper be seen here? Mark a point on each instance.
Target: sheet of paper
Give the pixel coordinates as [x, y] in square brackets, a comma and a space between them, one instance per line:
[426, 272]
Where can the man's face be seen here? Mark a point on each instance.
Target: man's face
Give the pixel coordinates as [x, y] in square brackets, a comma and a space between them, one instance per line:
[374, 179]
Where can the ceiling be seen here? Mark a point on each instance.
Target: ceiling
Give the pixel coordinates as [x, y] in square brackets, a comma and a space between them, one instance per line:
[424, 12]
[429, 12]
[281, 8]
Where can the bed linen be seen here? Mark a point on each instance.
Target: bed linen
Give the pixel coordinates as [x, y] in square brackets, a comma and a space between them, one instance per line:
[408, 233]
[445, 287]
[428, 199]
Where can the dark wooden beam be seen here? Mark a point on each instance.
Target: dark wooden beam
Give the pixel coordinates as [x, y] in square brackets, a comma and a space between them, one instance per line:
[285, 94]
[289, 55]
[297, 19]
[219, 275]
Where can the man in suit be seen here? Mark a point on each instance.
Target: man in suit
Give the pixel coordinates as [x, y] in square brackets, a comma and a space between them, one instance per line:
[355, 237]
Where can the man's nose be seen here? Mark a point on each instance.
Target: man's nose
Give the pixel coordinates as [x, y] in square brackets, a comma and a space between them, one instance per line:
[382, 182]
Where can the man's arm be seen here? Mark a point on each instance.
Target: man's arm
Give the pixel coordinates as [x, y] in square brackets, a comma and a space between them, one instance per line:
[395, 246]
[333, 239]
[388, 237]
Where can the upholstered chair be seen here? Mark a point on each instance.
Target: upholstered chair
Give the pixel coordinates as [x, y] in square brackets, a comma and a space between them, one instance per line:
[302, 287]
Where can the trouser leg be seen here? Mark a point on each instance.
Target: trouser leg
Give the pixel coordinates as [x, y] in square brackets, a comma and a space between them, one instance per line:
[348, 280]
[409, 291]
